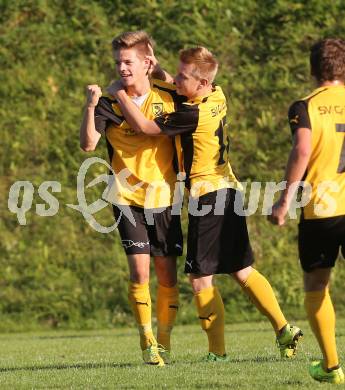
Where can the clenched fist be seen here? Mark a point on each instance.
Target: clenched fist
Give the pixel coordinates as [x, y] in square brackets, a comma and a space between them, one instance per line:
[93, 93]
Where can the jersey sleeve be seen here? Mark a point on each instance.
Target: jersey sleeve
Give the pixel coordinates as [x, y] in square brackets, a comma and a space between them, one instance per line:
[105, 115]
[184, 120]
[298, 116]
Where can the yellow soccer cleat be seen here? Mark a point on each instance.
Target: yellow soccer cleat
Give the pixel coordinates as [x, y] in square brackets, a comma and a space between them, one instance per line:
[288, 340]
[151, 356]
[317, 372]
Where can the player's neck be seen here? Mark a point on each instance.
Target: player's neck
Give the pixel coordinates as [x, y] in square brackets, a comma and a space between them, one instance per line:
[329, 83]
[139, 89]
[202, 92]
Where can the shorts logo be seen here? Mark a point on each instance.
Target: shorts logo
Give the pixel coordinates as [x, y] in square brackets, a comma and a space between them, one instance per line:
[129, 243]
[189, 263]
[295, 119]
[157, 109]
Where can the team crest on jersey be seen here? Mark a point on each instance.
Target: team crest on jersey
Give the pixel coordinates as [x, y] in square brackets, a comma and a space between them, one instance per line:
[157, 109]
[130, 132]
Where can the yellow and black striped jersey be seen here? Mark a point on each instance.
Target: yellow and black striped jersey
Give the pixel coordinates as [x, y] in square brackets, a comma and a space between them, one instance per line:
[323, 111]
[200, 124]
[151, 175]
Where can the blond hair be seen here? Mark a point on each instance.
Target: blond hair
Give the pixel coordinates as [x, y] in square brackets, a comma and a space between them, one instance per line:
[205, 63]
[139, 40]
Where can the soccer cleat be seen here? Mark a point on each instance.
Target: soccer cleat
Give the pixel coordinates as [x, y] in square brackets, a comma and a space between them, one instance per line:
[213, 357]
[288, 340]
[151, 356]
[164, 354]
[317, 372]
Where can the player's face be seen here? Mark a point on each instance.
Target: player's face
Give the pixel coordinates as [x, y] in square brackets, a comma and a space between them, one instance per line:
[131, 67]
[187, 84]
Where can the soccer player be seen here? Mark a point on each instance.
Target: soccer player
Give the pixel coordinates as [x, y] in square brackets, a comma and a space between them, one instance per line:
[149, 160]
[218, 240]
[318, 155]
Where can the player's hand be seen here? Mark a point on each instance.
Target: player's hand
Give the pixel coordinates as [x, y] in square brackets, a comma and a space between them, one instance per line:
[279, 211]
[153, 60]
[115, 87]
[93, 93]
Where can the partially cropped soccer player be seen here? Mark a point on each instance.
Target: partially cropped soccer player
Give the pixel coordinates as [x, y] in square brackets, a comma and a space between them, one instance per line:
[318, 155]
[218, 240]
[148, 160]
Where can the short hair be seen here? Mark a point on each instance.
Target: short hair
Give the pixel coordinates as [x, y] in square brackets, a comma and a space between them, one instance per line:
[139, 40]
[327, 59]
[205, 63]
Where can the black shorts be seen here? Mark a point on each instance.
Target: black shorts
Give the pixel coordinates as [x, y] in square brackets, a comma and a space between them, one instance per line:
[218, 242]
[319, 242]
[155, 231]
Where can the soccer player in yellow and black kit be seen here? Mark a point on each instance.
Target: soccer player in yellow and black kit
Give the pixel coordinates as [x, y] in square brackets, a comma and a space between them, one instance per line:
[318, 156]
[218, 240]
[141, 161]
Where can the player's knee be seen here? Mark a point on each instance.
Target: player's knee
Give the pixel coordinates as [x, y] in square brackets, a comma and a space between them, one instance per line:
[199, 283]
[242, 275]
[317, 280]
[167, 279]
[139, 276]
[315, 285]
[166, 272]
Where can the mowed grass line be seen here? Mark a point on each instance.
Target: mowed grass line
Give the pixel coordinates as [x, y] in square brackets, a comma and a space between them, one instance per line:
[110, 359]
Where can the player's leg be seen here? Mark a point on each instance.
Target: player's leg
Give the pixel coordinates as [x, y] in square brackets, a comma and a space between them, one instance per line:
[167, 302]
[166, 243]
[139, 296]
[321, 316]
[259, 290]
[255, 285]
[320, 312]
[136, 243]
[318, 247]
[210, 309]
[203, 260]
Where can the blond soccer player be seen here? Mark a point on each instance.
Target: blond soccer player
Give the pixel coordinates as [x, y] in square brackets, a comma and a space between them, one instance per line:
[156, 231]
[218, 241]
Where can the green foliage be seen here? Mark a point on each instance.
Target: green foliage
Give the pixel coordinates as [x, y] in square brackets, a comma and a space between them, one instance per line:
[58, 271]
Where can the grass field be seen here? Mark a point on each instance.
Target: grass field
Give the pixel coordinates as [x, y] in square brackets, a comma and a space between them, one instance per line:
[111, 360]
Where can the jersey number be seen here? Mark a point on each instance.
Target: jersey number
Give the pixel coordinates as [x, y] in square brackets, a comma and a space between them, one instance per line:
[340, 128]
[220, 134]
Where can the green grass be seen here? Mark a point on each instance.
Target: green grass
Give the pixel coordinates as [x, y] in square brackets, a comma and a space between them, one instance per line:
[112, 360]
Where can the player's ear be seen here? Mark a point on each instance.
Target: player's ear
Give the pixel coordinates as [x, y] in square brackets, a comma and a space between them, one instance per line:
[147, 63]
[203, 83]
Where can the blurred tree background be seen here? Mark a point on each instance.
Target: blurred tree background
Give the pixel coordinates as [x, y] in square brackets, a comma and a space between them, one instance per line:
[58, 271]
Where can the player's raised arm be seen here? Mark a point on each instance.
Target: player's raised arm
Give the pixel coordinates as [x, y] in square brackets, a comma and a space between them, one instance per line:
[156, 70]
[89, 136]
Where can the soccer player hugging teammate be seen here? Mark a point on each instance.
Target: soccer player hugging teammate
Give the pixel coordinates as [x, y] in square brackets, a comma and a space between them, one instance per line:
[318, 156]
[149, 160]
[218, 240]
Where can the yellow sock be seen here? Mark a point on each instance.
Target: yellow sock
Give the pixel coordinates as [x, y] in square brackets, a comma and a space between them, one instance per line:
[140, 299]
[211, 313]
[262, 295]
[321, 316]
[167, 306]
